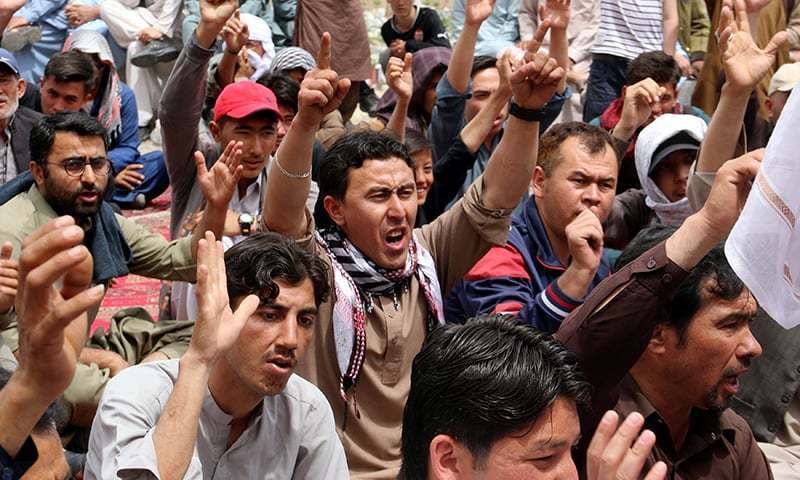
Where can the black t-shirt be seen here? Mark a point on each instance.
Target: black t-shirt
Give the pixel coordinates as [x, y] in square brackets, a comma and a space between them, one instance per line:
[427, 31]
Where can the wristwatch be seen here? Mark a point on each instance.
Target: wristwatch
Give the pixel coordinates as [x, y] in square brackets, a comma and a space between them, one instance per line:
[246, 223]
[527, 114]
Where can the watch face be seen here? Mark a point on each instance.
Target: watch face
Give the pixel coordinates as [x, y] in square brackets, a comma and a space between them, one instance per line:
[245, 218]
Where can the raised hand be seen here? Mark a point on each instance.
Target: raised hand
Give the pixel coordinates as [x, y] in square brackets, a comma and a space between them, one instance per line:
[129, 177]
[235, 33]
[398, 76]
[745, 64]
[217, 327]
[536, 78]
[476, 11]
[556, 11]
[217, 12]
[729, 193]
[219, 183]
[8, 277]
[640, 101]
[322, 91]
[52, 323]
[616, 453]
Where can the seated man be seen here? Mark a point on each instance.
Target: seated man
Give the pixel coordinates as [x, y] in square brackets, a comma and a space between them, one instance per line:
[83, 77]
[665, 152]
[668, 335]
[554, 254]
[650, 87]
[496, 399]
[53, 20]
[245, 112]
[53, 327]
[231, 407]
[472, 85]
[69, 174]
[148, 32]
[15, 121]
[389, 278]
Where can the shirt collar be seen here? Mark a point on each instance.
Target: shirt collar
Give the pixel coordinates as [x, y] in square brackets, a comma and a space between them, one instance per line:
[540, 246]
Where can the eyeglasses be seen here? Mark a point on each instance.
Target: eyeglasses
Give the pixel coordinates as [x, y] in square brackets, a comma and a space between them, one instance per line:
[76, 166]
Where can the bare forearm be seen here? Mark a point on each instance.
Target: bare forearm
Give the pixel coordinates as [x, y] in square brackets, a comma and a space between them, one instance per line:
[226, 70]
[691, 242]
[20, 408]
[719, 144]
[176, 431]
[207, 34]
[102, 358]
[478, 128]
[670, 25]
[559, 50]
[213, 220]
[397, 122]
[285, 202]
[509, 171]
[575, 281]
[461, 61]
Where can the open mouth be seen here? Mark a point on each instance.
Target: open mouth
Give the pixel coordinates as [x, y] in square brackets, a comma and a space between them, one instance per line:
[88, 197]
[395, 238]
[281, 366]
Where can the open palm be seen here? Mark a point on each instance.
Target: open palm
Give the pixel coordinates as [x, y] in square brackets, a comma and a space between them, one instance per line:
[219, 183]
[557, 11]
[476, 11]
[217, 12]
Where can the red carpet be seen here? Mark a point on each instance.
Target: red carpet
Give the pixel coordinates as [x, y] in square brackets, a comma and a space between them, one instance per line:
[133, 290]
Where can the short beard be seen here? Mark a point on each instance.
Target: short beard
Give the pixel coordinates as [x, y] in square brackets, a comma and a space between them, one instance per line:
[65, 202]
[11, 108]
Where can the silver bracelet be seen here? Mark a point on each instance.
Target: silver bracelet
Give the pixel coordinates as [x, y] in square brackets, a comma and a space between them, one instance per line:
[289, 174]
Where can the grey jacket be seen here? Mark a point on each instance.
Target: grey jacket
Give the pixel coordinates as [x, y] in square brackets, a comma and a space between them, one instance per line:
[180, 111]
[20, 128]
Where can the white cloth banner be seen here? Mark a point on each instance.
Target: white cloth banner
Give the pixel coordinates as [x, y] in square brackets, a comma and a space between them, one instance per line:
[764, 245]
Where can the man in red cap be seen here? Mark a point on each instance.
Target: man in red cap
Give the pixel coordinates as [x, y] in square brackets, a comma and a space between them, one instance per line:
[244, 112]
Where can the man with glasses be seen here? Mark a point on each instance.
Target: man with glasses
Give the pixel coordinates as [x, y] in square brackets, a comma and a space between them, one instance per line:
[69, 172]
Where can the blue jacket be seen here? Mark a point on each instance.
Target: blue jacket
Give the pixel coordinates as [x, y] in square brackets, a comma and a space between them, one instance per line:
[519, 277]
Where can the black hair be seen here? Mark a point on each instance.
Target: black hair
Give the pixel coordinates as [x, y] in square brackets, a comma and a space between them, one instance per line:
[480, 63]
[253, 264]
[480, 382]
[349, 152]
[416, 142]
[43, 133]
[285, 88]
[659, 66]
[72, 66]
[712, 278]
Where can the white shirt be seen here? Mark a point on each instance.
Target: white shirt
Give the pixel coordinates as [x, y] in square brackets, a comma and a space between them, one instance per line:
[293, 436]
[629, 28]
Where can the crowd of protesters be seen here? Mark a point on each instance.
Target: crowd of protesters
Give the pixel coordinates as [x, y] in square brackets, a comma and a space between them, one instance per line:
[508, 265]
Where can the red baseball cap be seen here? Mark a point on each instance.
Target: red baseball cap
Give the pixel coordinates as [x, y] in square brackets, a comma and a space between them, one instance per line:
[240, 99]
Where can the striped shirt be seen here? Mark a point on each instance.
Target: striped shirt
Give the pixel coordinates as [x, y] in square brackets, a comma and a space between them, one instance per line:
[629, 28]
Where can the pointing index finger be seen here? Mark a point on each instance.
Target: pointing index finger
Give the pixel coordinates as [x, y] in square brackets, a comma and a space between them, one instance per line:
[324, 57]
[538, 37]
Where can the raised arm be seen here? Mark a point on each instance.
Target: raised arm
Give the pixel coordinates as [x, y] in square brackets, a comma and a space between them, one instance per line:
[745, 65]
[400, 80]
[216, 330]
[670, 23]
[289, 178]
[475, 12]
[557, 13]
[236, 34]
[52, 325]
[533, 82]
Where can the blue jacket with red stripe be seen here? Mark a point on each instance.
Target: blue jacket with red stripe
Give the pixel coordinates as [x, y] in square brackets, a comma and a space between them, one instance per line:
[519, 277]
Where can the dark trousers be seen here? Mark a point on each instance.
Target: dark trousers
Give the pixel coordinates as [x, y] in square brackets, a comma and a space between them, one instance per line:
[606, 79]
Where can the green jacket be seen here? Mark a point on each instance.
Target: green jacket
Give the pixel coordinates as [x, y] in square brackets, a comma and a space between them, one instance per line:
[694, 28]
[153, 255]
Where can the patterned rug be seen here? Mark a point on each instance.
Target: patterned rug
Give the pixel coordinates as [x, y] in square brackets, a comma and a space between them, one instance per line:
[133, 290]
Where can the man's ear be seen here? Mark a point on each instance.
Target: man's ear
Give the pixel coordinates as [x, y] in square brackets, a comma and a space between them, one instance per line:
[769, 106]
[333, 207]
[447, 458]
[37, 171]
[660, 339]
[538, 182]
[214, 128]
[22, 87]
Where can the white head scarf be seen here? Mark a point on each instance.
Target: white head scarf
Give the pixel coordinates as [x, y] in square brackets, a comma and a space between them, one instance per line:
[651, 137]
[259, 32]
